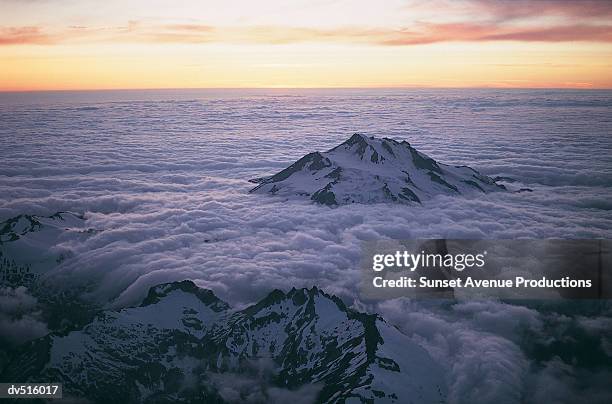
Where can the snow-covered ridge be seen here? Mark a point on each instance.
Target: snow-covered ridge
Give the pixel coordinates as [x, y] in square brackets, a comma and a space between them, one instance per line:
[182, 333]
[372, 170]
[30, 245]
[14, 228]
[206, 296]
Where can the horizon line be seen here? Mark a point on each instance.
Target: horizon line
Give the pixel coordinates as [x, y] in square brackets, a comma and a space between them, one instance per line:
[3, 91]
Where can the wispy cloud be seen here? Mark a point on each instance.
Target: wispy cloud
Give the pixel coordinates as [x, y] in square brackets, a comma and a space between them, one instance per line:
[568, 33]
[434, 33]
[443, 21]
[518, 9]
[418, 34]
[24, 35]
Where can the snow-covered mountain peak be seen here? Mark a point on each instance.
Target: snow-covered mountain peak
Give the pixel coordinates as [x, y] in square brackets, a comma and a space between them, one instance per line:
[371, 170]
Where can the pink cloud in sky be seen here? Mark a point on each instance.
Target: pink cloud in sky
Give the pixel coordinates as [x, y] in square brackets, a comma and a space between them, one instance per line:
[513, 9]
[23, 35]
[473, 21]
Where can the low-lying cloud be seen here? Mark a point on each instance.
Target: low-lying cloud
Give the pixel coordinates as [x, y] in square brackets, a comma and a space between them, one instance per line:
[253, 384]
[20, 317]
[487, 348]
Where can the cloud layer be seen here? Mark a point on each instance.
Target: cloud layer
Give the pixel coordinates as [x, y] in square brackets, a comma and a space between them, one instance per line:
[165, 181]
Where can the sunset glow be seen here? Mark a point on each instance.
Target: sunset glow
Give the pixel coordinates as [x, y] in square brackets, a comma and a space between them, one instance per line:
[69, 44]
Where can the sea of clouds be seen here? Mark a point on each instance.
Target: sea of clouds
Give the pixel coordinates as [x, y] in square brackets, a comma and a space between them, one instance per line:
[163, 177]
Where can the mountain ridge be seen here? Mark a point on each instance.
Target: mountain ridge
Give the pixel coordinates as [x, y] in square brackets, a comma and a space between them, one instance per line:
[13, 228]
[29, 245]
[154, 350]
[371, 170]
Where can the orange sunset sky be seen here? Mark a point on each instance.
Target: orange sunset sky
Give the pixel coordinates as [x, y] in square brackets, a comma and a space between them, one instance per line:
[87, 44]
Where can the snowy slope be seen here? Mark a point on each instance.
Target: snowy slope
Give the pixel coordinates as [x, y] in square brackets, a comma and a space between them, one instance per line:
[371, 170]
[38, 228]
[29, 244]
[183, 338]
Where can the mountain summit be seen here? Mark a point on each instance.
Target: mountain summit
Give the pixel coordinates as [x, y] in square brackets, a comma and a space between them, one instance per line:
[371, 170]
